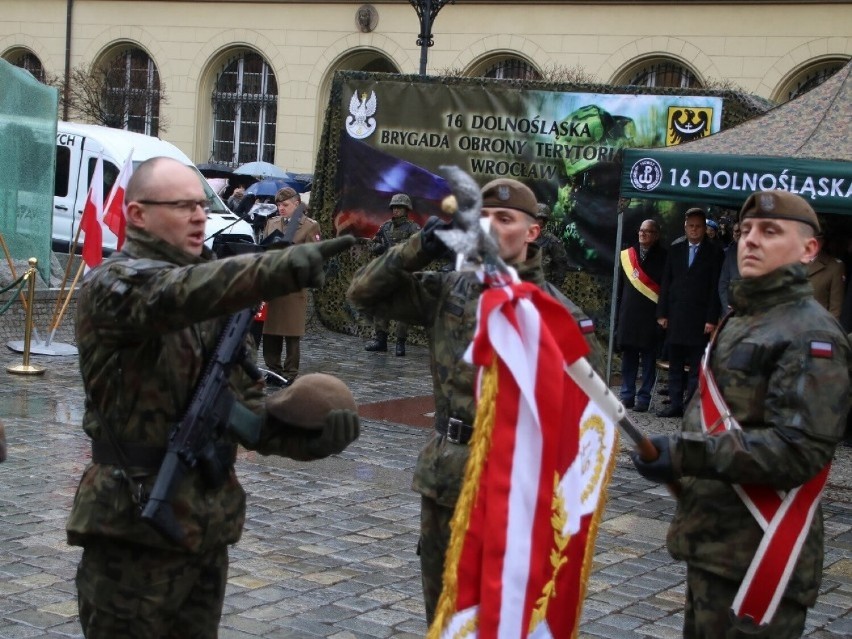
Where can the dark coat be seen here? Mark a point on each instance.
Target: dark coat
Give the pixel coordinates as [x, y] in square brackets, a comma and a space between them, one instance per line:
[637, 315]
[689, 296]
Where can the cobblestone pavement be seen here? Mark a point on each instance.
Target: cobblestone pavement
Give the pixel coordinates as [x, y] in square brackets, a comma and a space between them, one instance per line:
[328, 547]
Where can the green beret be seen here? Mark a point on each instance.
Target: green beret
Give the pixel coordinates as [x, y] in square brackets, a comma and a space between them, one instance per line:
[309, 399]
[779, 205]
[506, 193]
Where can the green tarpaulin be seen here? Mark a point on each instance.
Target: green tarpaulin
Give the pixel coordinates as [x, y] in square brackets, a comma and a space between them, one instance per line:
[803, 146]
[28, 114]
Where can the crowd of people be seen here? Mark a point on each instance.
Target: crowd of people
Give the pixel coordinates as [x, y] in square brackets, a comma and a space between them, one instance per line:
[765, 408]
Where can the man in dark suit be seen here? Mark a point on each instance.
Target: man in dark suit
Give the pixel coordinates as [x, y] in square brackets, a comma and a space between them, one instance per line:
[689, 306]
[642, 265]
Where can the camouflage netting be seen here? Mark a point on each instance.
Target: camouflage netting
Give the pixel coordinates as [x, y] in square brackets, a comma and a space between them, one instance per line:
[590, 291]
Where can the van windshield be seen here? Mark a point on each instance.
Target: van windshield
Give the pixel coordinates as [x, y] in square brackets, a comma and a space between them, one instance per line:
[216, 203]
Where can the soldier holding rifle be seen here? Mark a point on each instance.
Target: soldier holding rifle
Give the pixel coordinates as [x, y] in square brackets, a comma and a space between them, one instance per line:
[155, 520]
[758, 439]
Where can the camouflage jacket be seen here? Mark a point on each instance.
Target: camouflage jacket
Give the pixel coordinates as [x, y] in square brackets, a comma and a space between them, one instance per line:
[792, 407]
[147, 320]
[391, 234]
[445, 303]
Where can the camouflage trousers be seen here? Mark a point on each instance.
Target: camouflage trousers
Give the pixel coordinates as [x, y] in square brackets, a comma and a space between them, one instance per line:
[707, 614]
[134, 592]
[434, 540]
[381, 324]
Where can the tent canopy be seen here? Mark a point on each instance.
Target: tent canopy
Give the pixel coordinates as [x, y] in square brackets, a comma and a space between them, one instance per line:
[803, 146]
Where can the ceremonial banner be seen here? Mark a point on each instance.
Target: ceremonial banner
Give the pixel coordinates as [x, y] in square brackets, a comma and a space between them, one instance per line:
[566, 146]
[541, 456]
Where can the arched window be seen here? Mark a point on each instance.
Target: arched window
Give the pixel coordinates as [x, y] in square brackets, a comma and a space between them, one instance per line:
[29, 61]
[662, 73]
[511, 69]
[812, 77]
[132, 93]
[245, 109]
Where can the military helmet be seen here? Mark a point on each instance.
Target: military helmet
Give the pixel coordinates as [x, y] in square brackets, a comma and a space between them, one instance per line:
[401, 199]
[543, 212]
[589, 127]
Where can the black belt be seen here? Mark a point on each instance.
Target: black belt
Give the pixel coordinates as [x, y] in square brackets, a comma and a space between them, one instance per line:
[455, 430]
[142, 456]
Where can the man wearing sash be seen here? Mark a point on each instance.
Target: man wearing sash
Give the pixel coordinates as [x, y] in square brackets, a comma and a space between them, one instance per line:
[758, 439]
[642, 265]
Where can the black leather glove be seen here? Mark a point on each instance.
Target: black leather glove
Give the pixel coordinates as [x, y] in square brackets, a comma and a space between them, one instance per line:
[306, 260]
[342, 427]
[378, 249]
[660, 470]
[431, 243]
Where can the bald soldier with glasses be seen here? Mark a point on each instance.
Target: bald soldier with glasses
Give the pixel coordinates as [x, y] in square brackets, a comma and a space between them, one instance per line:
[149, 320]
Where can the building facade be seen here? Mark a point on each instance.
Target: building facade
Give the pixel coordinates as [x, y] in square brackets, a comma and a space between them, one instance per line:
[234, 81]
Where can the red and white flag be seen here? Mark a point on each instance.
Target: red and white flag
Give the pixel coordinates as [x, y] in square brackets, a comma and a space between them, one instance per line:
[90, 222]
[541, 457]
[114, 214]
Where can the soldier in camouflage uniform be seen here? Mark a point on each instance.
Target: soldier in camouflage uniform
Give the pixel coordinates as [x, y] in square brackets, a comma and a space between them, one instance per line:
[781, 364]
[445, 303]
[147, 320]
[397, 229]
[554, 258]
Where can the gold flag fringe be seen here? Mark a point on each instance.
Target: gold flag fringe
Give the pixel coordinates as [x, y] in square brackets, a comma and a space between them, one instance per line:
[480, 444]
[593, 531]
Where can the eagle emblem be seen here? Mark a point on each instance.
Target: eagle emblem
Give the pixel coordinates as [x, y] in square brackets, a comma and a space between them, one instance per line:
[360, 123]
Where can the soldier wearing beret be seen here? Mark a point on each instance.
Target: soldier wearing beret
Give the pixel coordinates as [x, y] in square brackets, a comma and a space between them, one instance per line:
[395, 286]
[757, 439]
[148, 320]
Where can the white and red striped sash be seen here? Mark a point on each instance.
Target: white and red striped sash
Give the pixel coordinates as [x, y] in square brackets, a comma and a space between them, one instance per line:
[785, 519]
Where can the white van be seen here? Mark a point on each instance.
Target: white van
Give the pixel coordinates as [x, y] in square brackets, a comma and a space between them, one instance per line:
[77, 150]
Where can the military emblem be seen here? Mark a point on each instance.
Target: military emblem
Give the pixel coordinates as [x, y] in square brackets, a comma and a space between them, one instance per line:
[646, 174]
[360, 123]
[503, 193]
[767, 202]
[687, 124]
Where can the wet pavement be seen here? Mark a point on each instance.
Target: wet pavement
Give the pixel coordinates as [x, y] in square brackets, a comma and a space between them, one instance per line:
[329, 547]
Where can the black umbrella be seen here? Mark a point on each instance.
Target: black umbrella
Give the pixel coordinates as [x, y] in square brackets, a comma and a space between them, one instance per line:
[215, 170]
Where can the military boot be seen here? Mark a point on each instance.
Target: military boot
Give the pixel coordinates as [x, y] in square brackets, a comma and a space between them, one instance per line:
[379, 344]
[400, 347]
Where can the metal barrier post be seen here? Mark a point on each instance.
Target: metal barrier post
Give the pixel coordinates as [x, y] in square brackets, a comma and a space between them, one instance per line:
[26, 368]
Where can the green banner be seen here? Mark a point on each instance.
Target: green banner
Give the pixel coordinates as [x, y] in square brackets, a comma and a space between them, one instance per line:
[566, 146]
[727, 180]
[28, 114]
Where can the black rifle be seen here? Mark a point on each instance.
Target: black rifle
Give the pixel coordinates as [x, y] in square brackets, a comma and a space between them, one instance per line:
[191, 443]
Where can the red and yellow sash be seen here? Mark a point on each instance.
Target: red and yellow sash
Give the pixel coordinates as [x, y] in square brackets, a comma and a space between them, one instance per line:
[640, 280]
[785, 519]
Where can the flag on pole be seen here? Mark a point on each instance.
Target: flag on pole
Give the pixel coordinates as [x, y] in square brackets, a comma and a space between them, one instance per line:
[114, 217]
[90, 222]
[541, 457]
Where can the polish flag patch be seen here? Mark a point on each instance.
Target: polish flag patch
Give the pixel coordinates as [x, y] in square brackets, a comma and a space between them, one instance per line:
[822, 349]
[587, 326]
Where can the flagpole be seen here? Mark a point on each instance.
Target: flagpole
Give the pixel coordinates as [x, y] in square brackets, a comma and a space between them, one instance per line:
[591, 383]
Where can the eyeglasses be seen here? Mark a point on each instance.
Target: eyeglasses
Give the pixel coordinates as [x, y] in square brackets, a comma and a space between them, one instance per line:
[187, 207]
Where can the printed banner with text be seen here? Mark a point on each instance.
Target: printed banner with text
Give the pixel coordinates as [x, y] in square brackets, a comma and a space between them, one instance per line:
[566, 146]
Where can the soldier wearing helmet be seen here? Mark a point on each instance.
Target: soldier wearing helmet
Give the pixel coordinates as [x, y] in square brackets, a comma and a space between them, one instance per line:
[554, 258]
[397, 229]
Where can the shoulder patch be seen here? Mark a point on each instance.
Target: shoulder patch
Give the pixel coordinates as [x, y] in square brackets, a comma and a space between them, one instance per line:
[824, 350]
